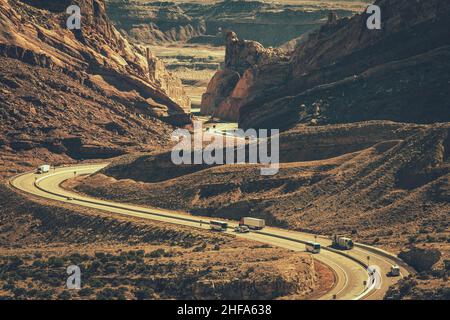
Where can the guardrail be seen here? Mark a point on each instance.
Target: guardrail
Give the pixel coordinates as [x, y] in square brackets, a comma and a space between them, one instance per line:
[388, 255]
[363, 246]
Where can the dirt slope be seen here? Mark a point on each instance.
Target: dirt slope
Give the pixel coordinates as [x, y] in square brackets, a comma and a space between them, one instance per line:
[344, 72]
[384, 193]
[79, 94]
[130, 258]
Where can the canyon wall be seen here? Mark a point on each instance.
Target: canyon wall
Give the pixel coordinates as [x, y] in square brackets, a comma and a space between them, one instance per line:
[85, 93]
[272, 24]
[344, 72]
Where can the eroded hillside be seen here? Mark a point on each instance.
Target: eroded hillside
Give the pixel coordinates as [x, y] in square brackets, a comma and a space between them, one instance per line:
[203, 22]
[79, 94]
[384, 191]
[343, 72]
[131, 258]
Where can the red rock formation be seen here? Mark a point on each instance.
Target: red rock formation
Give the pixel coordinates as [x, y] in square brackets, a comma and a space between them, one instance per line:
[244, 61]
[345, 72]
[79, 94]
[399, 73]
[97, 51]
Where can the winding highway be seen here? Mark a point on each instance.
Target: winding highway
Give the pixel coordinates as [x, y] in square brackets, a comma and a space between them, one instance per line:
[350, 267]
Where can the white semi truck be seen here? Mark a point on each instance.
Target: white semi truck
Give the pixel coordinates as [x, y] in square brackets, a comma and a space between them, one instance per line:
[252, 223]
[342, 242]
[43, 169]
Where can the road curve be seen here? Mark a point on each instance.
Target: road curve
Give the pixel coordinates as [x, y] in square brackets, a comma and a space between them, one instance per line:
[349, 267]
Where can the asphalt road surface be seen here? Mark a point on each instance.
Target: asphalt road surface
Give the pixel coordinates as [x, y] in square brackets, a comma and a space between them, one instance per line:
[350, 267]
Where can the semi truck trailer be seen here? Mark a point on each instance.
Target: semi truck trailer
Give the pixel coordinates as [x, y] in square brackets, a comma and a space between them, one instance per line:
[43, 169]
[342, 242]
[252, 223]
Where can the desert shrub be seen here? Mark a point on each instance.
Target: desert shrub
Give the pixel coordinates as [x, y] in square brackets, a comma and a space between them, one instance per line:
[406, 286]
[44, 294]
[38, 264]
[111, 268]
[85, 292]
[143, 294]
[443, 293]
[121, 259]
[438, 273]
[55, 282]
[200, 248]
[99, 255]
[15, 263]
[96, 283]
[412, 239]
[423, 276]
[109, 293]
[56, 262]
[447, 265]
[157, 253]
[94, 266]
[8, 286]
[131, 266]
[38, 255]
[19, 292]
[65, 295]
[76, 258]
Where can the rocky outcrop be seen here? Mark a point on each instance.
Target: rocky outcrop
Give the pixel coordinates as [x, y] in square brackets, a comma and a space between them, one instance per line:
[245, 61]
[35, 33]
[219, 88]
[196, 22]
[149, 23]
[292, 280]
[345, 72]
[79, 94]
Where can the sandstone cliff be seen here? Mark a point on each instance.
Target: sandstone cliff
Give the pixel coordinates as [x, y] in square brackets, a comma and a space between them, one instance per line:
[245, 61]
[151, 23]
[85, 93]
[196, 22]
[345, 72]
[35, 31]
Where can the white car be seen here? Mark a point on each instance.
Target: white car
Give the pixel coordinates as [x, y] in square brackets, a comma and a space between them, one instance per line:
[241, 229]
